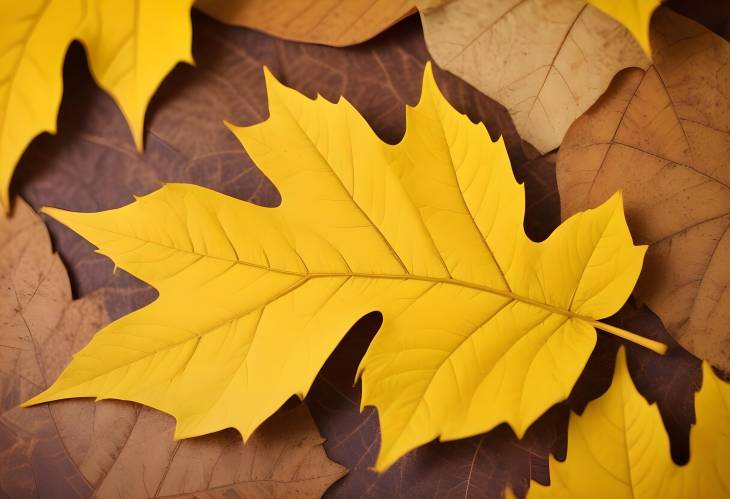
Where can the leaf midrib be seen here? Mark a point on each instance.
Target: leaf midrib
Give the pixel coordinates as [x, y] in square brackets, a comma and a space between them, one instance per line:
[305, 276]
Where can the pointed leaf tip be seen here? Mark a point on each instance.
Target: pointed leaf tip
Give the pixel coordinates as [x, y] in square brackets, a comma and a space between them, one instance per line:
[54, 213]
[271, 81]
[429, 87]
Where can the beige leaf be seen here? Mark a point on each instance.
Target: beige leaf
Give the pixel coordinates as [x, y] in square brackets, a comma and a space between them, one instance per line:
[663, 136]
[329, 22]
[546, 61]
[78, 448]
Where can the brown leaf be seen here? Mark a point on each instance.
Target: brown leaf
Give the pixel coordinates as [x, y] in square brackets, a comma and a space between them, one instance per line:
[663, 136]
[76, 448]
[329, 22]
[547, 61]
[34, 293]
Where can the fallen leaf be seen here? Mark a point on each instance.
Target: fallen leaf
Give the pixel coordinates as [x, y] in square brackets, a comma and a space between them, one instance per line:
[131, 47]
[546, 61]
[115, 449]
[329, 22]
[428, 231]
[663, 137]
[618, 447]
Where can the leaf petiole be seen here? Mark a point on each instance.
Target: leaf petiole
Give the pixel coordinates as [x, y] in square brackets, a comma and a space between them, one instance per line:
[654, 346]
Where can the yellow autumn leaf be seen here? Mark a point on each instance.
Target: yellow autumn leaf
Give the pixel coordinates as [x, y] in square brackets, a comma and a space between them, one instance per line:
[635, 15]
[618, 448]
[707, 475]
[481, 325]
[131, 46]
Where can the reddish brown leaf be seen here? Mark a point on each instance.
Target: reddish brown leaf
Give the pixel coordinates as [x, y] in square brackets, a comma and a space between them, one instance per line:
[330, 22]
[663, 136]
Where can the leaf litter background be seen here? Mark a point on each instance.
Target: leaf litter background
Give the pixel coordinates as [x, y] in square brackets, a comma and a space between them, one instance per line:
[91, 165]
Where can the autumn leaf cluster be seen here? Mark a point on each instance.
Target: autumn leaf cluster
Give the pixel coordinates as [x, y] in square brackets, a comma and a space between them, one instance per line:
[482, 326]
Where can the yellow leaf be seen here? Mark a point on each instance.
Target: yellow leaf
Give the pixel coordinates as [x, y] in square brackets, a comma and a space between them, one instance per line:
[330, 22]
[618, 447]
[546, 61]
[131, 47]
[707, 475]
[635, 15]
[481, 325]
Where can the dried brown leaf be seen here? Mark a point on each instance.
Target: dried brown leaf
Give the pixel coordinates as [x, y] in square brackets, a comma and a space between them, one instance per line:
[77, 448]
[329, 22]
[546, 61]
[663, 136]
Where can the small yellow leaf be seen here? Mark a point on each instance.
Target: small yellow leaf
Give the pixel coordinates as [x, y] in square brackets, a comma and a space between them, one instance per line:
[481, 325]
[131, 47]
[635, 15]
[618, 447]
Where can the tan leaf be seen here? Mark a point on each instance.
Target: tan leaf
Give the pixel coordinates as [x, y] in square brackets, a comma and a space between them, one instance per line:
[116, 449]
[663, 136]
[329, 22]
[546, 61]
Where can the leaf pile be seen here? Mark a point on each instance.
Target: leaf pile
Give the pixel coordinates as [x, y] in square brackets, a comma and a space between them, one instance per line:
[481, 325]
[90, 165]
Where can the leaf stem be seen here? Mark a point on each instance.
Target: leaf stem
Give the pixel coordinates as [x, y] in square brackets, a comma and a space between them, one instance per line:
[654, 346]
